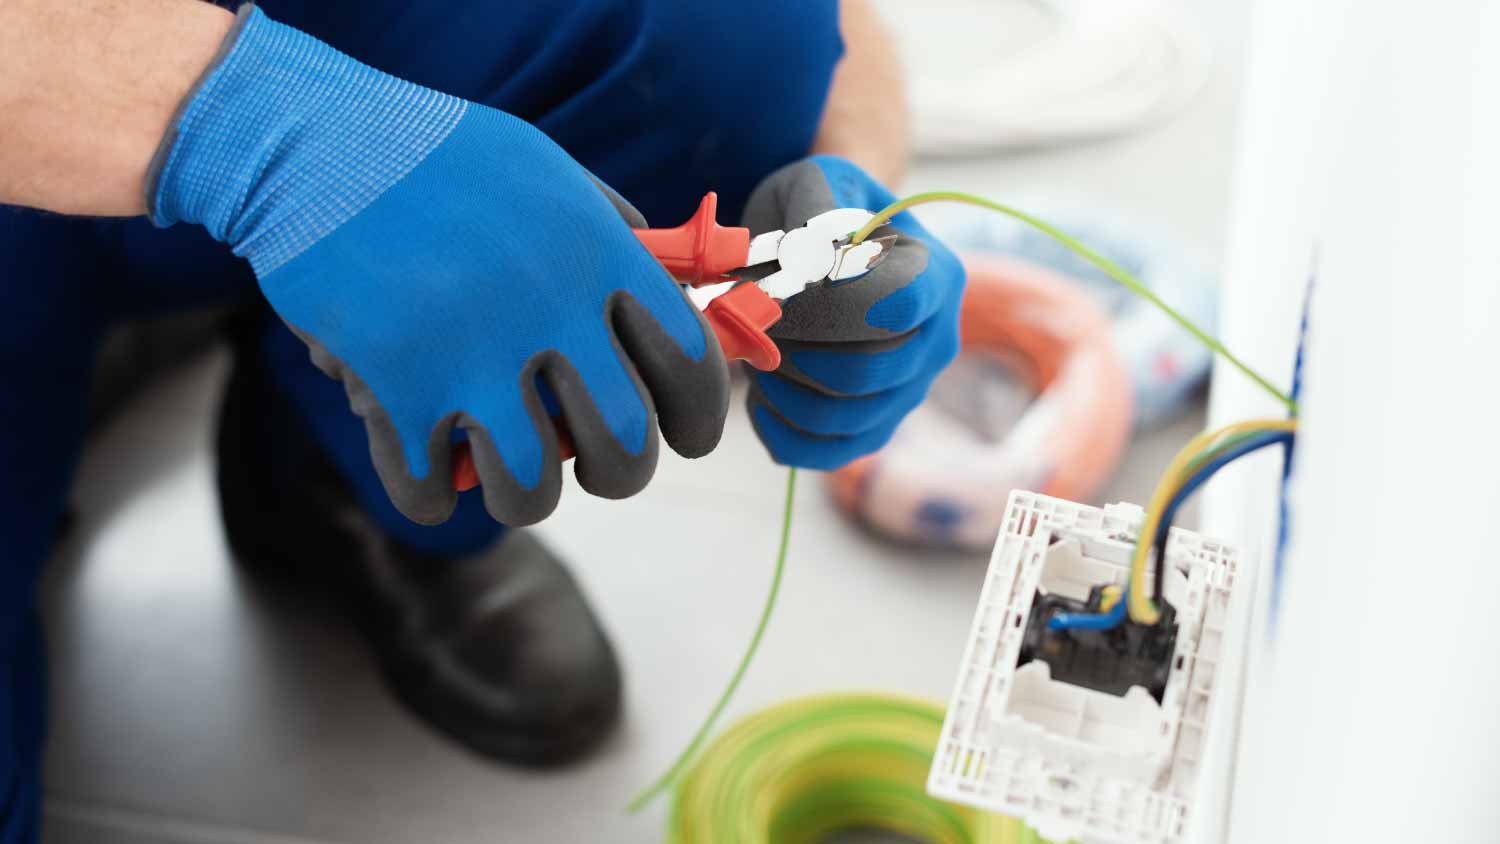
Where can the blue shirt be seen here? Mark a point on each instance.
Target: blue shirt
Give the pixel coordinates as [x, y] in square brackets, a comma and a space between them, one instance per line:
[661, 99]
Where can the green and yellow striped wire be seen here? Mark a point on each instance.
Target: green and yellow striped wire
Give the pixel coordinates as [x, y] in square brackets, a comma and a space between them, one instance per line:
[800, 771]
[1082, 250]
[1198, 451]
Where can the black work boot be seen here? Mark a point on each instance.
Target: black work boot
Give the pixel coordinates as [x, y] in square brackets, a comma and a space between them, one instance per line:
[499, 650]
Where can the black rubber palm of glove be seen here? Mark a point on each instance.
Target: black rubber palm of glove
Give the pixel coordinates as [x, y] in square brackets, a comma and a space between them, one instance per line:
[858, 355]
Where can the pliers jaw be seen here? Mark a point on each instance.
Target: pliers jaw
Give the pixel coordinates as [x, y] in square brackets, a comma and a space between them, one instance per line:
[784, 263]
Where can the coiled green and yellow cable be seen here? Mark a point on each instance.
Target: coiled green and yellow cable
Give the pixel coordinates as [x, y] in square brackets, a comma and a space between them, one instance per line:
[800, 771]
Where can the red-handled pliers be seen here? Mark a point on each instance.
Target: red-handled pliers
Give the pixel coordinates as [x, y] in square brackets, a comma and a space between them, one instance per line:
[778, 265]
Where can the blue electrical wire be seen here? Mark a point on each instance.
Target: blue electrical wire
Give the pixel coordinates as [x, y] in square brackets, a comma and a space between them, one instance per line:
[1112, 619]
[1091, 621]
[1197, 479]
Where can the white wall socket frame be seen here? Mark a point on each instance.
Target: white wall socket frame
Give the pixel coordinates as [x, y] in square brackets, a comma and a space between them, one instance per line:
[1075, 763]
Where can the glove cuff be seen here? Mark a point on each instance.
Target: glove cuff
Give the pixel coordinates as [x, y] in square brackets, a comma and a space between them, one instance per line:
[285, 138]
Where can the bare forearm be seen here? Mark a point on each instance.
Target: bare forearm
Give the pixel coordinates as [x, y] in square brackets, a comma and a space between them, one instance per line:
[866, 119]
[87, 88]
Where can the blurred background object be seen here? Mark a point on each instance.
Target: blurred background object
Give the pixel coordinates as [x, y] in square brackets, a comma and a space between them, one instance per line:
[1166, 365]
[990, 75]
[944, 478]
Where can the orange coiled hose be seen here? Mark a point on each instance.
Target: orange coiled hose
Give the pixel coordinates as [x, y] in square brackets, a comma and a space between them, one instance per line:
[1048, 330]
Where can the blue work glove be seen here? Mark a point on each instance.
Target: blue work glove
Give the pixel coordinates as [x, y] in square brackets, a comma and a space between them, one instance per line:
[859, 355]
[451, 265]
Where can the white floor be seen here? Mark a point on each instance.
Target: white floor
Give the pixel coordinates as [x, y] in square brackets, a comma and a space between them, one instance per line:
[190, 707]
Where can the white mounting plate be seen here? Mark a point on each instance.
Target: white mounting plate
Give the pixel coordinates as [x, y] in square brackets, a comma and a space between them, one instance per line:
[1076, 763]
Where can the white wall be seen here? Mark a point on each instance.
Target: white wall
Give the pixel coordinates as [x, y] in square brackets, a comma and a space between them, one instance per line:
[1369, 156]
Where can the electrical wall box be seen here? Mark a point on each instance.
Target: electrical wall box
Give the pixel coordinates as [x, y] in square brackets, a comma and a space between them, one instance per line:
[1124, 737]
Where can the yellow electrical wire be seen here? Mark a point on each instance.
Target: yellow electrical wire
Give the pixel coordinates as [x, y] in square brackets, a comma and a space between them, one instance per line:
[1110, 596]
[1110, 268]
[1141, 608]
[806, 769]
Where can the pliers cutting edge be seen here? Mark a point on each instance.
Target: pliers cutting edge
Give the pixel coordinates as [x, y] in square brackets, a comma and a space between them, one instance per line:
[776, 265]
